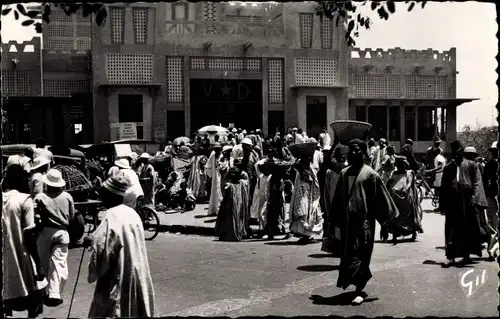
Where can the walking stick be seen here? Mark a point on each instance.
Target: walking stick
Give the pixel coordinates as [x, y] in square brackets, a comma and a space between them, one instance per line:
[76, 282]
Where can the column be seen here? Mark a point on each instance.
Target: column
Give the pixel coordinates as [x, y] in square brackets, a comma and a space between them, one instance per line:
[436, 131]
[451, 124]
[367, 112]
[416, 122]
[402, 132]
[187, 96]
[265, 96]
[387, 121]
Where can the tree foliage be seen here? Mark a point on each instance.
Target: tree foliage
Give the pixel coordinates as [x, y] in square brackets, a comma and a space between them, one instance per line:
[346, 11]
[334, 10]
[480, 138]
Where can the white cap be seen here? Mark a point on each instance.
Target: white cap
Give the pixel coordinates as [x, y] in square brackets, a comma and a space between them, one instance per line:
[494, 144]
[227, 148]
[145, 155]
[247, 141]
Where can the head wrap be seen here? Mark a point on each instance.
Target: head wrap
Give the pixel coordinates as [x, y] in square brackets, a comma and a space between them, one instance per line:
[117, 185]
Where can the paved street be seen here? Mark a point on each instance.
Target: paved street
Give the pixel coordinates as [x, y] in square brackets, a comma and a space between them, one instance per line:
[199, 276]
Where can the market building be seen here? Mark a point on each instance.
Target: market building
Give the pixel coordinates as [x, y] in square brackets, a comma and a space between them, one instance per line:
[172, 68]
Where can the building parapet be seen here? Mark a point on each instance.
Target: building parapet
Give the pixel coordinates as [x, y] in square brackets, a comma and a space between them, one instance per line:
[67, 52]
[12, 46]
[397, 59]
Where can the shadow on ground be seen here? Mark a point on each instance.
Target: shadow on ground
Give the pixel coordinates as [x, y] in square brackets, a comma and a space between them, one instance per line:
[321, 256]
[343, 299]
[318, 268]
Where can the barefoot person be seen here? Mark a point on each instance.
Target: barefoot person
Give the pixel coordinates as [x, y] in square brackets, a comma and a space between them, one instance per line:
[119, 261]
[360, 199]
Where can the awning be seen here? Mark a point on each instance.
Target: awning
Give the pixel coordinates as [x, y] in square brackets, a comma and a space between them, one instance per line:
[441, 102]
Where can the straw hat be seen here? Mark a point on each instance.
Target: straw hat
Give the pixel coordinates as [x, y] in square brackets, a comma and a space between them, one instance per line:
[227, 148]
[122, 163]
[117, 185]
[54, 178]
[39, 162]
[133, 155]
[145, 156]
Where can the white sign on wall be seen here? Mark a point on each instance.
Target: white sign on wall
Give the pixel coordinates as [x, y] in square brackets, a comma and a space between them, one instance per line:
[127, 131]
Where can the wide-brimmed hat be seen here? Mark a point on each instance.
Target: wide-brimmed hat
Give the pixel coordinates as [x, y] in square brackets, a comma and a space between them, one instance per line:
[117, 185]
[122, 163]
[133, 155]
[247, 141]
[39, 162]
[145, 156]
[227, 148]
[470, 150]
[54, 178]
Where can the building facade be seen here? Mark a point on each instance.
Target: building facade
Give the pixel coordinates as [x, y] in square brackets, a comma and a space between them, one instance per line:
[172, 68]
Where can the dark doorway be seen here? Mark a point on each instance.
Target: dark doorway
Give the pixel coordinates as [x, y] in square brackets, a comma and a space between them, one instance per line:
[175, 124]
[276, 122]
[223, 102]
[130, 109]
[316, 115]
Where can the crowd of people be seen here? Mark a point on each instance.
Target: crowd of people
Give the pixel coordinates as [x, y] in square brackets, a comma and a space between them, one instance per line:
[39, 221]
[336, 193]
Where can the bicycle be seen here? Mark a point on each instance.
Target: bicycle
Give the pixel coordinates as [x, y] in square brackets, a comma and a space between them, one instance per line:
[149, 218]
[421, 183]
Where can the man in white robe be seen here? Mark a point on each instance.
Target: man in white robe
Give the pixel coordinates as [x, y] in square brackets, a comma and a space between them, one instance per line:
[214, 174]
[119, 261]
[135, 190]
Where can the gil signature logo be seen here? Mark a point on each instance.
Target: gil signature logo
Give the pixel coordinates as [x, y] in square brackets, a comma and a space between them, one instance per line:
[472, 280]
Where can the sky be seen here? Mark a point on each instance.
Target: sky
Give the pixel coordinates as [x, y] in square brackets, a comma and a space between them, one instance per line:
[469, 26]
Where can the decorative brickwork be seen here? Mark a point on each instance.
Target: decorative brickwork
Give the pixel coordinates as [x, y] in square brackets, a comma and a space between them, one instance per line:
[306, 30]
[15, 83]
[275, 80]
[315, 72]
[129, 68]
[326, 33]
[210, 14]
[141, 25]
[60, 44]
[197, 63]
[117, 24]
[175, 81]
[65, 87]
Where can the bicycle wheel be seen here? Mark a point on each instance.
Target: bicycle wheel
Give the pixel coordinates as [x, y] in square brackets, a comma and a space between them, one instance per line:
[150, 222]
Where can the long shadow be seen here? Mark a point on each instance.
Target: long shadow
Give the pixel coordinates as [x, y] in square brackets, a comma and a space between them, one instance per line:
[213, 220]
[201, 216]
[343, 299]
[443, 265]
[318, 268]
[321, 256]
[440, 247]
[289, 243]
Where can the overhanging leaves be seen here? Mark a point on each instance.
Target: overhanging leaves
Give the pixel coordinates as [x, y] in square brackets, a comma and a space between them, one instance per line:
[6, 11]
[27, 23]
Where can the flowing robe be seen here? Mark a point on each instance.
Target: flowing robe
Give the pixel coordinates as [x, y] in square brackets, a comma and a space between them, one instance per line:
[232, 220]
[491, 189]
[460, 198]
[360, 199]
[119, 263]
[223, 166]
[260, 196]
[198, 177]
[147, 178]
[387, 167]
[331, 236]
[216, 191]
[403, 191]
[305, 208]
[275, 207]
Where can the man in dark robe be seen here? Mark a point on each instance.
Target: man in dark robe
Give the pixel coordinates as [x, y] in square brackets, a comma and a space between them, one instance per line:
[360, 199]
[490, 180]
[461, 198]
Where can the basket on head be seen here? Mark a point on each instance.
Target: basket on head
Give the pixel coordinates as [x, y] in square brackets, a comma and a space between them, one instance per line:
[347, 130]
[303, 149]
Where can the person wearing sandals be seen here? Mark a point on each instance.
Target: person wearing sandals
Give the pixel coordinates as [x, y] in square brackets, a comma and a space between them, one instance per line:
[461, 197]
[360, 199]
[57, 210]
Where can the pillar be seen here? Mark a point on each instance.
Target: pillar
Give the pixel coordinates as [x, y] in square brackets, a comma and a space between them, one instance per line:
[416, 122]
[387, 120]
[451, 124]
[265, 97]
[402, 131]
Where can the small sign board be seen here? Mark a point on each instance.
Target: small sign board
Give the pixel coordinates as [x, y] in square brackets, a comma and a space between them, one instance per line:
[127, 130]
